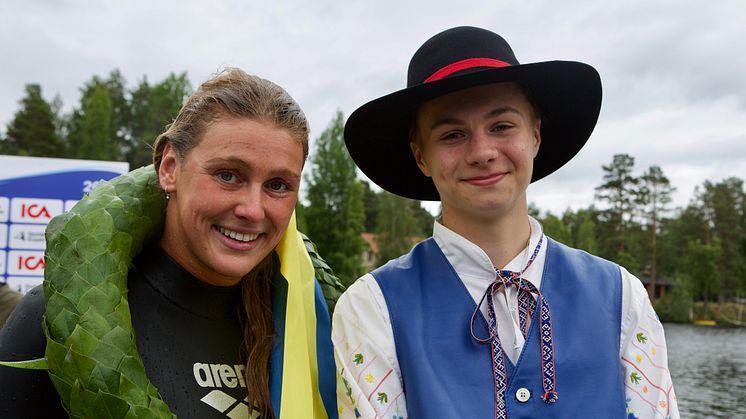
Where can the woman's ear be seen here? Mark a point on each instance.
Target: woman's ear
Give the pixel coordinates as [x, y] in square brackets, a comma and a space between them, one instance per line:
[168, 170]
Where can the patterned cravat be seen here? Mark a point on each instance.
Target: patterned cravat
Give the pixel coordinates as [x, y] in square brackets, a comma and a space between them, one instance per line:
[526, 308]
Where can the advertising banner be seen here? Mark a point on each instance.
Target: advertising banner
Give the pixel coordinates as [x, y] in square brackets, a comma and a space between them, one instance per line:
[32, 191]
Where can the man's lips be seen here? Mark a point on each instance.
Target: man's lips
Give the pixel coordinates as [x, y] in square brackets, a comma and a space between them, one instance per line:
[485, 180]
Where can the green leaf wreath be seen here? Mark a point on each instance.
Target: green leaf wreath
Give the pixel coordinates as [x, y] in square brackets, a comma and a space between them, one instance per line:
[91, 353]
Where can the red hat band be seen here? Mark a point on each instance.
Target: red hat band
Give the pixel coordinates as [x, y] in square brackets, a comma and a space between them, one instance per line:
[465, 65]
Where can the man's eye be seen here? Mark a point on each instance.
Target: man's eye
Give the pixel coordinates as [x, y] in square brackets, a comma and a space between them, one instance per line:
[277, 186]
[501, 127]
[225, 176]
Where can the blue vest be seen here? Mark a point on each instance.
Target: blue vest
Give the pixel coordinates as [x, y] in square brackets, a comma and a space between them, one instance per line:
[446, 374]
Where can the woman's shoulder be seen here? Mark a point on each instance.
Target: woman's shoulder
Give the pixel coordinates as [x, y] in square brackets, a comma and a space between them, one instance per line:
[26, 393]
[22, 337]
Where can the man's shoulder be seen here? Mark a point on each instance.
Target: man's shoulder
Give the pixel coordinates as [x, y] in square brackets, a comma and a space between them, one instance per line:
[582, 257]
[407, 260]
[579, 252]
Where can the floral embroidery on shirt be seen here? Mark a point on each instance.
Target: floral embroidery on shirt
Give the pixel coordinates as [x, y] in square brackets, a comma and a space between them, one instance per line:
[369, 378]
[382, 398]
[641, 338]
[348, 389]
[359, 359]
[635, 378]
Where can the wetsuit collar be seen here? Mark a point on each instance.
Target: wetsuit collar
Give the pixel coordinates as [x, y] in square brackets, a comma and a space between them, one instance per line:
[185, 290]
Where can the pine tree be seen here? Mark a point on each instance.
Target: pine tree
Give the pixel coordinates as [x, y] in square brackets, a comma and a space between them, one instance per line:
[32, 131]
[396, 227]
[619, 191]
[152, 109]
[689, 224]
[724, 206]
[92, 127]
[97, 141]
[335, 215]
[654, 196]
[700, 267]
[370, 205]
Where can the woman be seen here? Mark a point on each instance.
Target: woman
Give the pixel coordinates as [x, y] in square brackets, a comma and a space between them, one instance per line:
[228, 319]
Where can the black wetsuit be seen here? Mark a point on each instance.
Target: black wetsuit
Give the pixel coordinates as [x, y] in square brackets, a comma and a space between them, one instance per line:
[187, 333]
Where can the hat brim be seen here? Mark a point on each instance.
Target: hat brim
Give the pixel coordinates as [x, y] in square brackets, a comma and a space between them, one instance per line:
[567, 93]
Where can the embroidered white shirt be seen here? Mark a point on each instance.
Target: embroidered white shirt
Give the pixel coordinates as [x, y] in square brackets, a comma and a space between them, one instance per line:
[369, 380]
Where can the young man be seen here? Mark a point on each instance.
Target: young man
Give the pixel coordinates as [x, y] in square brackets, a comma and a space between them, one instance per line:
[489, 317]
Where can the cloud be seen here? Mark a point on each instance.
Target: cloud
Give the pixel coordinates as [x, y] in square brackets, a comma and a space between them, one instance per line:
[674, 91]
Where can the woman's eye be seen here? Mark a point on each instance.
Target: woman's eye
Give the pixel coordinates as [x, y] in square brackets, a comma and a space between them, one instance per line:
[225, 176]
[453, 135]
[277, 186]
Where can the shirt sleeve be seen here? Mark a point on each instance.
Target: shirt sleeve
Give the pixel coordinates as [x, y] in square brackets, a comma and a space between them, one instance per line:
[647, 381]
[369, 381]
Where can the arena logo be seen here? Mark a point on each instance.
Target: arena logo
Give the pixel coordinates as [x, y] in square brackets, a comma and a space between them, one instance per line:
[223, 375]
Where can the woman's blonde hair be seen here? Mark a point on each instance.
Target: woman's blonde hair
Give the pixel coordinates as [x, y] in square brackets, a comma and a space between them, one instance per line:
[232, 93]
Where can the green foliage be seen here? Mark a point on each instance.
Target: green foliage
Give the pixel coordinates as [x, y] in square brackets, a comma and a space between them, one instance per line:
[688, 225]
[32, 132]
[423, 220]
[396, 229]
[676, 305]
[576, 229]
[96, 127]
[300, 217]
[152, 108]
[585, 237]
[555, 228]
[701, 268]
[335, 213]
[627, 260]
[91, 352]
[370, 205]
[724, 208]
[329, 283]
[96, 141]
[653, 198]
[618, 191]
[654, 194]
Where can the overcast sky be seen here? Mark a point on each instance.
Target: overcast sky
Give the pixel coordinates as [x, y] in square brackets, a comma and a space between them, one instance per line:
[674, 72]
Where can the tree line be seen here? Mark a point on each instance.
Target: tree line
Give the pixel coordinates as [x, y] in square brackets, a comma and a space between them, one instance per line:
[700, 248]
[115, 122]
[110, 122]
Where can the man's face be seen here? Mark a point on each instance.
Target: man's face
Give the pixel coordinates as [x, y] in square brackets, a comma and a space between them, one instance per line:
[478, 146]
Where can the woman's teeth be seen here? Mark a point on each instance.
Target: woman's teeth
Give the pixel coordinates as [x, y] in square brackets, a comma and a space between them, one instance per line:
[238, 236]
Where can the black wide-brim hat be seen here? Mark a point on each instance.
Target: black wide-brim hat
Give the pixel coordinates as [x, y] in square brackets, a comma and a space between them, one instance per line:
[566, 93]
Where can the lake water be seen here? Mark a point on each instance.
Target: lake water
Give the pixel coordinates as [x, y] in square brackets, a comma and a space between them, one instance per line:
[708, 367]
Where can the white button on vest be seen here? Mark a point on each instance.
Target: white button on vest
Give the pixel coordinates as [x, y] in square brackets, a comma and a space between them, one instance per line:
[523, 394]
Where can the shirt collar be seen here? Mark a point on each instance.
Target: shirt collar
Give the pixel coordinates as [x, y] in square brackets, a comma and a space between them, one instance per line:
[470, 260]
